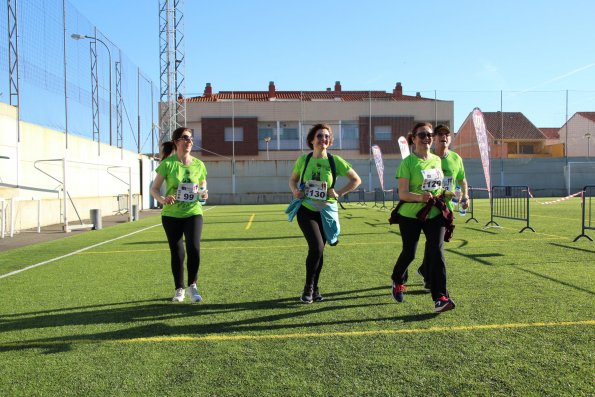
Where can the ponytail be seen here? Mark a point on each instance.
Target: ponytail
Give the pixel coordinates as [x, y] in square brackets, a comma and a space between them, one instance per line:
[166, 149]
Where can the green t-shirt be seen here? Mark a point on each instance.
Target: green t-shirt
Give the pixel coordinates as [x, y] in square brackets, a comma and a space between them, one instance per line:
[452, 166]
[413, 168]
[320, 170]
[175, 173]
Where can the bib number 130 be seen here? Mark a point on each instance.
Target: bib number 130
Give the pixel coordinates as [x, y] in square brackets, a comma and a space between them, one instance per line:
[316, 190]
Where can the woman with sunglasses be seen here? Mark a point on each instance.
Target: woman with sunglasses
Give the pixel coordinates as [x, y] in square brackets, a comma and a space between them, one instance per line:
[420, 179]
[181, 216]
[454, 175]
[312, 182]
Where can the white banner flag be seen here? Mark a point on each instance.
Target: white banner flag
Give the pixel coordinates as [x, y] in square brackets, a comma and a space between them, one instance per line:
[404, 147]
[482, 141]
[379, 164]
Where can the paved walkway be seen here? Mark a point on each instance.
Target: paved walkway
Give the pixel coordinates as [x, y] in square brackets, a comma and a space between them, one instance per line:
[54, 232]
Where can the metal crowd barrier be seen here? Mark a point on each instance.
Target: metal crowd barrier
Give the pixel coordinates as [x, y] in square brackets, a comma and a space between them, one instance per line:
[379, 198]
[510, 202]
[587, 216]
[473, 191]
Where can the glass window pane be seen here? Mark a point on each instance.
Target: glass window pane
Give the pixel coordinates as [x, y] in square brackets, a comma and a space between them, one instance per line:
[234, 132]
[382, 133]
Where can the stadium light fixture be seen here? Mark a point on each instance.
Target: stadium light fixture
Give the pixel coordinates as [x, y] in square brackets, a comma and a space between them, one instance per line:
[77, 36]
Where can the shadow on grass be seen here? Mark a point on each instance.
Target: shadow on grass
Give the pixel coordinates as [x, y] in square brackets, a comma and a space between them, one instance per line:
[573, 247]
[555, 280]
[479, 258]
[154, 316]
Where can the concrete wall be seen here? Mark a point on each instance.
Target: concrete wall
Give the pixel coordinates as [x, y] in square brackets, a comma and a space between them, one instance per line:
[267, 181]
[95, 173]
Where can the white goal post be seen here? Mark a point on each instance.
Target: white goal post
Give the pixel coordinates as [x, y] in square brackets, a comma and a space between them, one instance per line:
[578, 174]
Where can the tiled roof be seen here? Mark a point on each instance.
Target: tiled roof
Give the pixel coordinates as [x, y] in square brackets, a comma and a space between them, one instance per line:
[587, 115]
[260, 96]
[551, 133]
[516, 126]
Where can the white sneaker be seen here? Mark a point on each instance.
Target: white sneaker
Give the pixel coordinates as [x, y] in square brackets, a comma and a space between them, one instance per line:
[192, 292]
[179, 296]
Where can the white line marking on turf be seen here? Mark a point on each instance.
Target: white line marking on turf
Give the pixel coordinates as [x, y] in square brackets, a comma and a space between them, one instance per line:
[79, 251]
[74, 252]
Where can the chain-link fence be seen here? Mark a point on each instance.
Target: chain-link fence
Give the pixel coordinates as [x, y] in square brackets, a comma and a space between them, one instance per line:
[72, 78]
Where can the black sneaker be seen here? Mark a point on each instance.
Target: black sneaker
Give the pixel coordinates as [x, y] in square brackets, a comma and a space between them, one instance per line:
[443, 304]
[307, 295]
[317, 296]
[397, 292]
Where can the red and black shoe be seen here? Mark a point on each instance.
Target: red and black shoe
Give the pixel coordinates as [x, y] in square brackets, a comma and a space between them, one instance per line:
[443, 304]
[397, 292]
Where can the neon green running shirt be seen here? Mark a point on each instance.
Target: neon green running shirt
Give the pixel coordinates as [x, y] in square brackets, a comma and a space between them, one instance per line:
[320, 170]
[175, 173]
[411, 168]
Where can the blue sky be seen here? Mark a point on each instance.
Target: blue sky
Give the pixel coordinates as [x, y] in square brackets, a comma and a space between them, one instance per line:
[465, 50]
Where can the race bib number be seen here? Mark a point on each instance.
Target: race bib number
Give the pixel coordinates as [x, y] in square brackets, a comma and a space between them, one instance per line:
[316, 190]
[187, 192]
[432, 179]
[447, 183]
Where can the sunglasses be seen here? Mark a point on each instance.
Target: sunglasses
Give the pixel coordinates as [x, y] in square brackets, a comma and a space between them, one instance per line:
[424, 135]
[185, 138]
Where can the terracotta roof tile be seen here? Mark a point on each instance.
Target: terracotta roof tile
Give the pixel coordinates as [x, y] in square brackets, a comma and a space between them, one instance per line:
[259, 96]
[551, 133]
[516, 126]
[587, 115]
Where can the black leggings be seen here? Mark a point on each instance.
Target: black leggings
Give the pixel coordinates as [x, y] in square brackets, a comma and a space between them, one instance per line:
[191, 229]
[311, 224]
[435, 265]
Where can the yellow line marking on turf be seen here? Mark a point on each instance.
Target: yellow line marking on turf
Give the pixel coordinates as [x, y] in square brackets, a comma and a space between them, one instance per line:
[250, 222]
[223, 338]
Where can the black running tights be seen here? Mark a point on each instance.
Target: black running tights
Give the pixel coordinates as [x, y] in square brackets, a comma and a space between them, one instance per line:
[311, 224]
[190, 228]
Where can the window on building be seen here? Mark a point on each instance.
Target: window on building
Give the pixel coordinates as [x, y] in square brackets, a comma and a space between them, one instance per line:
[526, 149]
[289, 136]
[268, 132]
[349, 135]
[382, 133]
[234, 134]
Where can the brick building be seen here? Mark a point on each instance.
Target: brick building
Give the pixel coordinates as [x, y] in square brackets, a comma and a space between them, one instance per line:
[273, 124]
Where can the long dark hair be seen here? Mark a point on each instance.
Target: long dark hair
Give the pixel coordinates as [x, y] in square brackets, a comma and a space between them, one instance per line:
[167, 148]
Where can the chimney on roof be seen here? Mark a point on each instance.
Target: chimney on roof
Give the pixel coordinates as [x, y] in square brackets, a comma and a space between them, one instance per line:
[398, 91]
[417, 94]
[208, 90]
[337, 86]
[328, 89]
[272, 90]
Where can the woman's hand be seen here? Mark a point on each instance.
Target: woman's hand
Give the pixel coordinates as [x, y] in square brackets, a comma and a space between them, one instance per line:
[332, 193]
[426, 196]
[298, 194]
[169, 200]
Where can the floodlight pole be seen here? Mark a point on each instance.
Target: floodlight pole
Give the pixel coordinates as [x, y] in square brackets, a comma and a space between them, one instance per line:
[267, 140]
[76, 36]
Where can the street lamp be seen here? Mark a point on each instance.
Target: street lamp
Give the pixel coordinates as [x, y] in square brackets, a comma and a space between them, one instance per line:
[588, 136]
[76, 36]
[267, 139]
